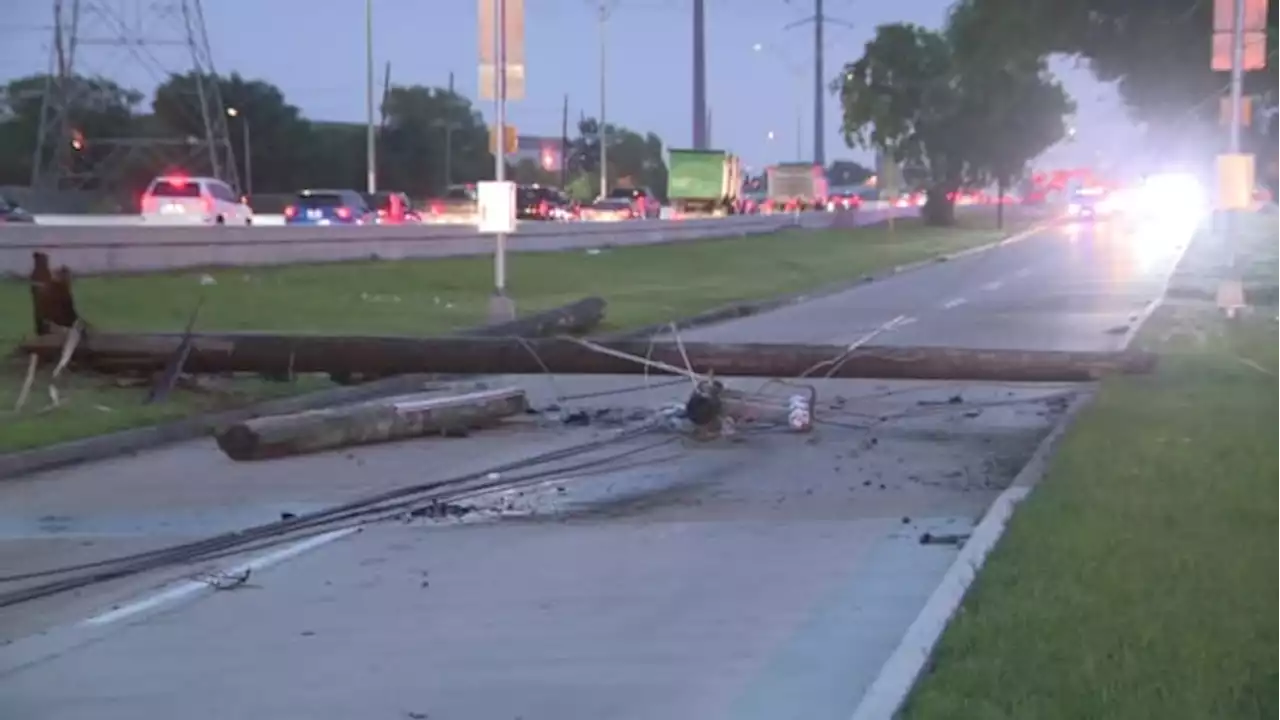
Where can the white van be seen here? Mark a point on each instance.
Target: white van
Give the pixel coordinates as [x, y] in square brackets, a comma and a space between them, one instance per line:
[179, 200]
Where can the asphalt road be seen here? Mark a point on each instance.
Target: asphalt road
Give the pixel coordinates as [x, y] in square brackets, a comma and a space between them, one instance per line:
[766, 576]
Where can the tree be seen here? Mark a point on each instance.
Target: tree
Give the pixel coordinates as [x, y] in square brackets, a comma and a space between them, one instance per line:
[432, 138]
[912, 97]
[634, 159]
[848, 172]
[1157, 52]
[282, 144]
[102, 112]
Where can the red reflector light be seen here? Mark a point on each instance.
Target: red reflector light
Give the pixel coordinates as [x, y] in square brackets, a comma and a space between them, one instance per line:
[344, 213]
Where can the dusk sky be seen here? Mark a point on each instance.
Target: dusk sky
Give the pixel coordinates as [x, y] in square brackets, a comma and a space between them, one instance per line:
[314, 50]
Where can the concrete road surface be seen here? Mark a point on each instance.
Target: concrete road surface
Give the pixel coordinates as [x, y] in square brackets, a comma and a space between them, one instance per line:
[764, 576]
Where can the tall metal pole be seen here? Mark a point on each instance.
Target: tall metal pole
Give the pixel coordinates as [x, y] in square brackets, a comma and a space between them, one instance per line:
[819, 20]
[699, 76]
[603, 130]
[371, 147]
[500, 131]
[1237, 75]
[248, 157]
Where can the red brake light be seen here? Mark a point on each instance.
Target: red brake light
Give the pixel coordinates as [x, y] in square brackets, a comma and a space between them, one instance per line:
[344, 213]
[543, 209]
[290, 211]
[207, 202]
[437, 209]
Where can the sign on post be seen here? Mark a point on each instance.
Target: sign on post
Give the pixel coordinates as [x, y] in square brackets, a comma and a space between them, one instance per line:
[496, 203]
[1255, 34]
[511, 142]
[1246, 111]
[513, 48]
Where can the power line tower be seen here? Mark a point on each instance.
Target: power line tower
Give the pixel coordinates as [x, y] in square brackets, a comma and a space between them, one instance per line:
[819, 18]
[98, 39]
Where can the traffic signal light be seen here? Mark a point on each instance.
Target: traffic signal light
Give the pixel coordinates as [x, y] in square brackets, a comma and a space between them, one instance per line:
[510, 146]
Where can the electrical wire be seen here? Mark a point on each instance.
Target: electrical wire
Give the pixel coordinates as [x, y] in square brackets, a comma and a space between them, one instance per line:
[381, 503]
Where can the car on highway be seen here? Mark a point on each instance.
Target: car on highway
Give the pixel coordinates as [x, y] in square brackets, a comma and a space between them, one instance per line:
[459, 204]
[1088, 203]
[608, 210]
[329, 207]
[538, 202]
[392, 208]
[182, 200]
[849, 200]
[753, 202]
[12, 212]
[644, 204]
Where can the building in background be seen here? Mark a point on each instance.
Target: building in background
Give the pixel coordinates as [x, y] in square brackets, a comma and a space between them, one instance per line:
[539, 149]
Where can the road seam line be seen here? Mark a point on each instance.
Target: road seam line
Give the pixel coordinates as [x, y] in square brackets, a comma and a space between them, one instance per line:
[191, 588]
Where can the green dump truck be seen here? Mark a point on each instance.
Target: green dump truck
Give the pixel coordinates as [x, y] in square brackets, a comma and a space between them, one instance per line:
[703, 182]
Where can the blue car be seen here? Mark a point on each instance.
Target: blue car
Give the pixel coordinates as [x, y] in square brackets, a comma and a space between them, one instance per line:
[329, 207]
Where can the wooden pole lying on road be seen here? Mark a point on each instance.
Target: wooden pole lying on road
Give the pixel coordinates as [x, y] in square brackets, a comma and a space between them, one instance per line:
[383, 356]
[396, 418]
[575, 318]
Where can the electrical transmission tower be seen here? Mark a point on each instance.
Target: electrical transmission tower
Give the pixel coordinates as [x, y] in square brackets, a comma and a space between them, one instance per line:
[95, 40]
[820, 19]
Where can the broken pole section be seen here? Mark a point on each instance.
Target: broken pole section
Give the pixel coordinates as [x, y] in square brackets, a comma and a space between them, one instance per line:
[398, 418]
[576, 318]
[262, 353]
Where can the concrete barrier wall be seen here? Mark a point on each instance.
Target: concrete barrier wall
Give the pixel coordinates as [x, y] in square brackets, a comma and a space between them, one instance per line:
[124, 249]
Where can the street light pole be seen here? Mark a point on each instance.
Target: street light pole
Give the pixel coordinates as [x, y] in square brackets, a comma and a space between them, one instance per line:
[371, 147]
[1237, 75]
[246, 149]
[603, 130]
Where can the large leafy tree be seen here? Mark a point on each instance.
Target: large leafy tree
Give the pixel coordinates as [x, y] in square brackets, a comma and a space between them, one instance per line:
[1156, 51]
[432, 138]
[913, 97]
[281, 141]
[633, 159]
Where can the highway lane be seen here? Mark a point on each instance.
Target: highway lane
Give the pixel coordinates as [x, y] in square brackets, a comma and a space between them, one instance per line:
[1066, 287]
[131, 249]
[762, 578]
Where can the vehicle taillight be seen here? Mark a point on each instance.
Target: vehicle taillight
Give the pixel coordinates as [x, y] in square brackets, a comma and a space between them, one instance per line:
[207, 203]
[343, 213]
[147, 203]
[437, 209]
[543, 209]
[290, 211]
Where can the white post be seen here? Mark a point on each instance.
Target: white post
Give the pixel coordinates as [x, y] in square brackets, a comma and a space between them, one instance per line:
[603, 132]
[500, 131]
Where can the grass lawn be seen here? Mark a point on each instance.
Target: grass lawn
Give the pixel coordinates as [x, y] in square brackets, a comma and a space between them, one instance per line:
[642, 285]
[1137, 581]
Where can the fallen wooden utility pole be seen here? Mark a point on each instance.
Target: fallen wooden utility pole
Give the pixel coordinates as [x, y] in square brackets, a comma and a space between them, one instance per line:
[396, 418]
[259, 353]
[576, 318]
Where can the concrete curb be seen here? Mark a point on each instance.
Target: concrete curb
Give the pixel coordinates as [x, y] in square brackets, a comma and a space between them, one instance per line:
[888, 692]
[124, 442]
[735, 311]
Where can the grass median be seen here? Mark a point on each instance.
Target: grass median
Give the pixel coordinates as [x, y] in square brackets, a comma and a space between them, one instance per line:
[643, 285]
[1137, 580]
